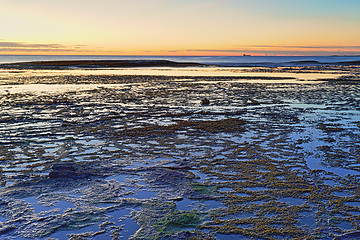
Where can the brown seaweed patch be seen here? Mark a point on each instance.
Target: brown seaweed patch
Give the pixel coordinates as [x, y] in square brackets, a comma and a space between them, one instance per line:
[225, 125]
[256, 227]
[217, 126]
[330, 127]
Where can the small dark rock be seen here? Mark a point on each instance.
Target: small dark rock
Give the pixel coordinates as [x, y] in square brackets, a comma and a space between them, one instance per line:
[249, 101]
[205, 101]
[176, 199]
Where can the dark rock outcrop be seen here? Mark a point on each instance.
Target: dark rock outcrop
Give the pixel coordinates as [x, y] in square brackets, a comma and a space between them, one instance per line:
[70, 170]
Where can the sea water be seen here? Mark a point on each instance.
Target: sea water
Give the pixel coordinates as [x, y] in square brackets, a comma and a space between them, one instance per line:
[237, 61]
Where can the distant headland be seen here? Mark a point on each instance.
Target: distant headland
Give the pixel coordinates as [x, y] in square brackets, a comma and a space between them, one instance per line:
[97, 64]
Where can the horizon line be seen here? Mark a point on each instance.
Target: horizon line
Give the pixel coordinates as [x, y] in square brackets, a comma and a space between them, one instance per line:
[157, 55]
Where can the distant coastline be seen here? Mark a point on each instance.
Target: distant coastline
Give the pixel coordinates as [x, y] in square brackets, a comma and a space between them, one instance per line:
[72, 61]
[97, 64]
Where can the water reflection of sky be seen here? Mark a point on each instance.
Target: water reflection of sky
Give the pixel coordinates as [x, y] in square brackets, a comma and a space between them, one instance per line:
[166, 71]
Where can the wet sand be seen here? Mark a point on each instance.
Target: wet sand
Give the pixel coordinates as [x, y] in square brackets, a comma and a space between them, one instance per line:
[99, 156]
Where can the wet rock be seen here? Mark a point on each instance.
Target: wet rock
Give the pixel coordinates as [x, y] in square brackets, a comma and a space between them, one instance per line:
[167, 176]
[205, 101]
[181, 166]
[6, 229]
[349, 235]
[2, 183]
[2, 202]
[70, 170]
[330, 127]
[176, 199]
[187, 235]
[249, 101]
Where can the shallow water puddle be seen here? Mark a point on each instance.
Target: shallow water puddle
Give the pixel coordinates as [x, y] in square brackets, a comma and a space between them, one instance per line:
[292, 201]
[142, 194]
[123, 217]
[316, 164]
[62, 205]
[189, 204]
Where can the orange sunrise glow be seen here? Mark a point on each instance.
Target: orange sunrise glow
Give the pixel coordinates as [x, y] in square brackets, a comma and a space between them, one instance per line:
[174, 27]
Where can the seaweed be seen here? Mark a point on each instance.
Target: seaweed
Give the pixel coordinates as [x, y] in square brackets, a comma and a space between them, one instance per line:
[162, 219]
[217, 126]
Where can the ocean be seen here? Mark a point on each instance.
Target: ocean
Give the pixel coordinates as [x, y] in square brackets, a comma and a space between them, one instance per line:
[235, 61]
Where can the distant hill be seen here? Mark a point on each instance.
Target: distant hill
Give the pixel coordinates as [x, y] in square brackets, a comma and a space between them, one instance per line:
[97, 64]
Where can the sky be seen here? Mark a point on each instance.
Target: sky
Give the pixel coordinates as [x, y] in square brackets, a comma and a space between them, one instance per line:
[180, 27]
